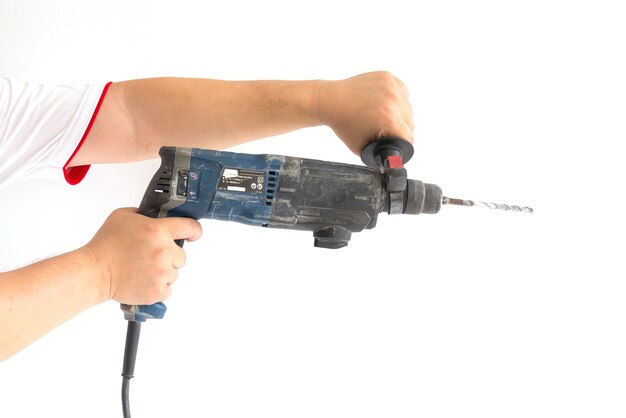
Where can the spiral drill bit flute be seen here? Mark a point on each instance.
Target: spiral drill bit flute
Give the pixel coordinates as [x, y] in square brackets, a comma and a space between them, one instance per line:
[487, 205]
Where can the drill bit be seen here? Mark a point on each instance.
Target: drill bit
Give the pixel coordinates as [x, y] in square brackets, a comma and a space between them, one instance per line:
[488, 205]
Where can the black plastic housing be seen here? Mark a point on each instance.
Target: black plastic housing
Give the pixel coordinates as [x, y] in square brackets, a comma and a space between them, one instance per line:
[334, 199]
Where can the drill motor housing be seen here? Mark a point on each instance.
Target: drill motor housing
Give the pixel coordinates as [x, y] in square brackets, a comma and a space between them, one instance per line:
[330, 199]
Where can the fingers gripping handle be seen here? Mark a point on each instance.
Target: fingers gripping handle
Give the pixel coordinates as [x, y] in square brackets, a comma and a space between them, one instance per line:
[139, 313]
[155, 199]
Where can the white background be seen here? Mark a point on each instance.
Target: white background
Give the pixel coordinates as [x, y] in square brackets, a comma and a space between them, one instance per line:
[467, 313]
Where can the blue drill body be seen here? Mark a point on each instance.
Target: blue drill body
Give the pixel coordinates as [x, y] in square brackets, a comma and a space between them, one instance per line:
[332, 200]
[226, 186]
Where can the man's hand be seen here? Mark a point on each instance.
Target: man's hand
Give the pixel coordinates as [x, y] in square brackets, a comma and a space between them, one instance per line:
[137, 256]
[132, 259]
[366, 107]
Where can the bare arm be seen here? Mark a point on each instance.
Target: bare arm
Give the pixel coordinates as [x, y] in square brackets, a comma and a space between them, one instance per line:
[132, 259]
[139, 116]
[37, 298]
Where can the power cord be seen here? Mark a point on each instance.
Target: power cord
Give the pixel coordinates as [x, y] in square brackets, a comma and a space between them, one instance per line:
[128, 369]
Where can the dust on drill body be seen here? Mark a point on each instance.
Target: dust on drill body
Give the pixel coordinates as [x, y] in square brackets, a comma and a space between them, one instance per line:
[332, 200]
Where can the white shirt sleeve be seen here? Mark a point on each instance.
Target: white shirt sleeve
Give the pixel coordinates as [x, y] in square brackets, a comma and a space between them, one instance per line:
[42, 127]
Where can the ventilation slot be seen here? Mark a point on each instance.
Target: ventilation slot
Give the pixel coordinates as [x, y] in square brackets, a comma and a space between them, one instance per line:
[164, 181]
[271, 186]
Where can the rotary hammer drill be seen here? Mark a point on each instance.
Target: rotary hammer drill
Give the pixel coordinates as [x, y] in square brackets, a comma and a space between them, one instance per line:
[332, 200]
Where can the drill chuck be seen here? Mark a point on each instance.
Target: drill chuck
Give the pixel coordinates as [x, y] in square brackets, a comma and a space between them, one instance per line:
[422, 197]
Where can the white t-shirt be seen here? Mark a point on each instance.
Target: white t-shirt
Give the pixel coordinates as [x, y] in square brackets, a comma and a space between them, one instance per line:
[42, 127]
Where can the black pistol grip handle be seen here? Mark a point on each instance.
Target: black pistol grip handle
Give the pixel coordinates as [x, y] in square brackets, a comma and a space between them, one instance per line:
[157, 196]
[160, 189]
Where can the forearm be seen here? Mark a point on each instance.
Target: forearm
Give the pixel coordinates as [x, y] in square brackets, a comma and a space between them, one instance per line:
[194, 112]
[38, 298]
[140, 116]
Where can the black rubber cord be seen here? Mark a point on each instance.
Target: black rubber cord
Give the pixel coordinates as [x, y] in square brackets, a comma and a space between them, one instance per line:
[125, 400]
[128, 369]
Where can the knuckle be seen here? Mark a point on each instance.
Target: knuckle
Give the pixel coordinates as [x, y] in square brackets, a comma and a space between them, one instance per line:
[153, 296]
[387, 115]
[159, 256]
[162, 271]
[385, 76]
[160, 290]
[153, 231]
[392, 95]
[390, 101]
[192, 228]
[198, 228]
[164, 292]
[158, 295]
